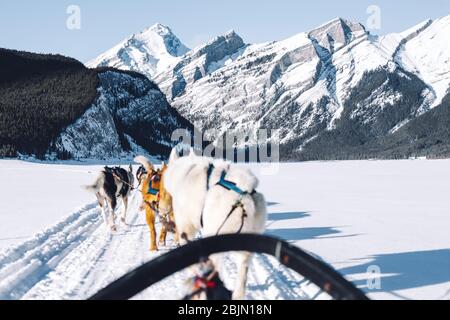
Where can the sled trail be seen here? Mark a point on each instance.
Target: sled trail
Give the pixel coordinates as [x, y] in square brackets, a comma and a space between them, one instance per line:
[79, 256]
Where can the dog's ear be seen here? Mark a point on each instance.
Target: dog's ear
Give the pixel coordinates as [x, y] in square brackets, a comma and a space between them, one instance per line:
[192, 152]
[130, 168]
[174, 155]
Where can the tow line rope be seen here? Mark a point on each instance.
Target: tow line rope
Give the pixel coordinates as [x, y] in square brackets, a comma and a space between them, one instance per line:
[238, 204]
[124, 182]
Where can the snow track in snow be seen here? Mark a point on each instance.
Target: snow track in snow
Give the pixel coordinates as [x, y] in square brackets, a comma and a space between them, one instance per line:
[79, 256]
[25, 265]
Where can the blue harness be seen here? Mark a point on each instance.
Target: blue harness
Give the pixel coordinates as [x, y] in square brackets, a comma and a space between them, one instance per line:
[152, 191]
[229, 185]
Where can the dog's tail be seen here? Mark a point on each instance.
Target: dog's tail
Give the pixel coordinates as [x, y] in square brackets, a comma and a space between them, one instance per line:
[145, 163]
[179, 151]
[173, 156]
[97, 184]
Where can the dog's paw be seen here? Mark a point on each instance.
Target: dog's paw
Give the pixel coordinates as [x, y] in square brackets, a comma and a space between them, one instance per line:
[238, 295]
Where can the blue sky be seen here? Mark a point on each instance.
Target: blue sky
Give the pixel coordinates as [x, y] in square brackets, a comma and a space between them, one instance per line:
[40, 26]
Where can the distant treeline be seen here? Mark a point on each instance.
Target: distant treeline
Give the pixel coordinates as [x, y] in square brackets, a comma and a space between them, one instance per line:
[39, 96]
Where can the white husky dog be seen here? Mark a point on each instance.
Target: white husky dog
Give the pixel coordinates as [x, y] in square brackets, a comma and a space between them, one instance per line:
[201, 203]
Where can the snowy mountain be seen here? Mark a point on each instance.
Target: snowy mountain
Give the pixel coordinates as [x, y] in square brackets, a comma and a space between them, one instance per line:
[129, 115]
[337, 81]
[53, 107]
[149, 52]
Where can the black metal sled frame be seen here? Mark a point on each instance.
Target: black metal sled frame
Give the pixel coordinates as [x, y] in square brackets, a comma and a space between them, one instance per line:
[318, 272]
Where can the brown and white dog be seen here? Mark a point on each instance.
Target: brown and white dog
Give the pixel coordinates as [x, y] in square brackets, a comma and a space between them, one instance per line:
[156, 200]
[113, 184]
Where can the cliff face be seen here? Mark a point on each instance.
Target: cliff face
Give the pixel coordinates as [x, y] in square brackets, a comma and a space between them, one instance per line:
[129, 114]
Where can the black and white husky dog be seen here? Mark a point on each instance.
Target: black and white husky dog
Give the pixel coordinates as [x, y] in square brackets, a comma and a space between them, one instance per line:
[112, 184]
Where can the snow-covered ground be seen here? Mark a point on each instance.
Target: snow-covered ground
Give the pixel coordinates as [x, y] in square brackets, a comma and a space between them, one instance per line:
[394, 215]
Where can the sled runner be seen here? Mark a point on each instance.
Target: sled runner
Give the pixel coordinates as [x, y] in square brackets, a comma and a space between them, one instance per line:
[318, 272]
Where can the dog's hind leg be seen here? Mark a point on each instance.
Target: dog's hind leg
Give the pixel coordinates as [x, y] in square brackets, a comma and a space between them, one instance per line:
[176, 236]
[150, 217]
[162, 236]
[186, 233]
[112, 202]
[124, 209]
[241, 280]
[102, 204]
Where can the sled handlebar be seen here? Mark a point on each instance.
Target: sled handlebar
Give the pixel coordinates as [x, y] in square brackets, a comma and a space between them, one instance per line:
[318, 272]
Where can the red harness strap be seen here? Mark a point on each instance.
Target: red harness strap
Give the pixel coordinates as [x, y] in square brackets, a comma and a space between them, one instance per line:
[204, 283]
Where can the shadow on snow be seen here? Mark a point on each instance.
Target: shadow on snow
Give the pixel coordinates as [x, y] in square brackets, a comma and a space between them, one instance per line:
[406, 270]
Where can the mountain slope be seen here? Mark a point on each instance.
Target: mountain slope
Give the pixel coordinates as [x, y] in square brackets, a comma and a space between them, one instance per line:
[40, 95]
[300, 85]
[336, 80]
[428, 56]
[53, 107]
[129, 114]
[426, 136]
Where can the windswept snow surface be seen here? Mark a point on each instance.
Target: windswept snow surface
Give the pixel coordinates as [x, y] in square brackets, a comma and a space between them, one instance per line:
[357, 215]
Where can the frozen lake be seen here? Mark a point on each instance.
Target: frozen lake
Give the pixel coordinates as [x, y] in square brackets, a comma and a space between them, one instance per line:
[387, 216]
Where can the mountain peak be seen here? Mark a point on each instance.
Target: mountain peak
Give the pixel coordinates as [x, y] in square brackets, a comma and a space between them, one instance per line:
[333, 21]
[231, 33]
[336, 33]
[160, 29]
[160, 37]
[154, 49]
[338, 21]
[156, 30]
